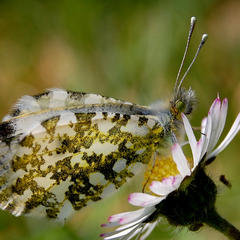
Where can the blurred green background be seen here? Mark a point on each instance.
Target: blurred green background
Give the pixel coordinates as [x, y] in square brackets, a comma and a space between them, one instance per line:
[129, 50]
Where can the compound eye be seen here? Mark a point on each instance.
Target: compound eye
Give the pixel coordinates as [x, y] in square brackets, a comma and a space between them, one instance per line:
[180, 106]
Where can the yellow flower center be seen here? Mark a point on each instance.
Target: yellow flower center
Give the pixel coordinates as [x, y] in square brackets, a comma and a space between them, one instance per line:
[160, 168]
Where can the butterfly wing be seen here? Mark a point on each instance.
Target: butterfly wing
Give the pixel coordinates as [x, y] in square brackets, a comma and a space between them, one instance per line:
[57, 156]
[57, 98]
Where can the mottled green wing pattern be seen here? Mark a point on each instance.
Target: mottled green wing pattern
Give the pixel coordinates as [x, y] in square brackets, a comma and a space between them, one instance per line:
[57, 161]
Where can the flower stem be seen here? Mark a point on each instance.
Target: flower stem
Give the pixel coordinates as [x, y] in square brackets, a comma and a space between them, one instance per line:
[215, 221]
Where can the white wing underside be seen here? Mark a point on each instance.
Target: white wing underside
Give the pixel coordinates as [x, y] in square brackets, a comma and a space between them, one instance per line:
[64, 160]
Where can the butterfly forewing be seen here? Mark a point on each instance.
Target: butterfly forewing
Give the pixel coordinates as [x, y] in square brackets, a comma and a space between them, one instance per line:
[57, 98]
[65, 150]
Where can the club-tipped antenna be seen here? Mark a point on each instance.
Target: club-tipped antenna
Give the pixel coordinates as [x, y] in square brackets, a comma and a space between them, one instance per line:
[192, 25]
[203, 40]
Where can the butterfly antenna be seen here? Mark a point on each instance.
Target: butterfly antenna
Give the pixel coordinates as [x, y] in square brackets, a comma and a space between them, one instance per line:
[192, 25]
[203, 40]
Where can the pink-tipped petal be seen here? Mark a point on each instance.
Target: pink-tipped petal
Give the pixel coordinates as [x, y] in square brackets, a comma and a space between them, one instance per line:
[136, 215]
[147, 213]
[220, 124]
[231, 134]
[160, 188]
[218, 114]
[166, 186]
[222, 119]
[131, 224]
[169, 180]
[215, 113]
[117, 217]
[110, 224]
[206, 137]
[215, 105]
[120, 216]
[143, 199]
[180, 160]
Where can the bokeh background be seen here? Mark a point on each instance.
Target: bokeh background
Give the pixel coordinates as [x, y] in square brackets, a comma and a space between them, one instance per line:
[129, 50]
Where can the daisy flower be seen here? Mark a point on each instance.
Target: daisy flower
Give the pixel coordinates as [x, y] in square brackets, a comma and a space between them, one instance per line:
[187, 199]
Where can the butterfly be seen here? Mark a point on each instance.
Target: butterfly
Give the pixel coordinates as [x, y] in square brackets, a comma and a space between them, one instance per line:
[61, 150]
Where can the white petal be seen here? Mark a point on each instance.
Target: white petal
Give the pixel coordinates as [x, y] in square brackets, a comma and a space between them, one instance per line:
[215, 113]
[119, 216]
[117, 234]
[171, 180]
[138, 220]
[231, 134]
[150, 227]
[160, 188]
[132, 217]
[201, 143]
[111, 224]
[180, 160]
[203, 132]
[223, 117]
[143, 199]
[198, 152]
[132, 234]
[206, 136]
[165, 187]
[191, 138]
[215, 105]
[203, 125]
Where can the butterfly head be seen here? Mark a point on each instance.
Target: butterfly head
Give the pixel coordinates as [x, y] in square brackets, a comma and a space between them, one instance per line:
[183, 102]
